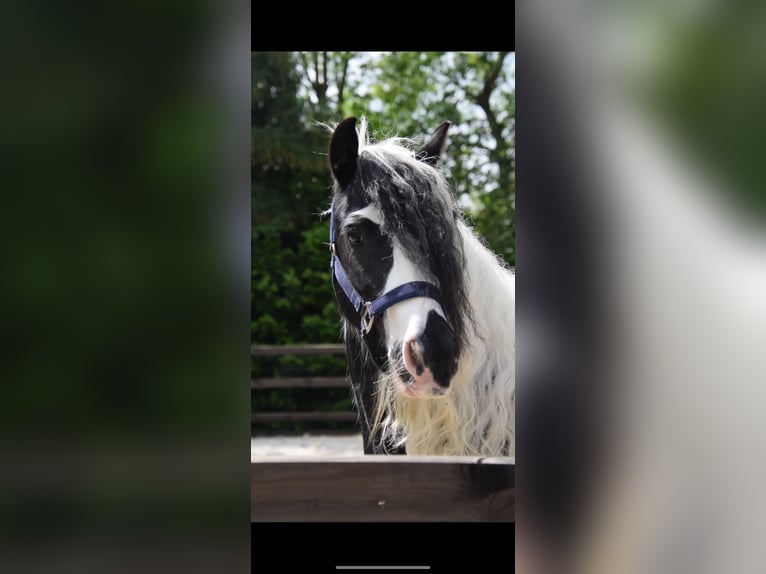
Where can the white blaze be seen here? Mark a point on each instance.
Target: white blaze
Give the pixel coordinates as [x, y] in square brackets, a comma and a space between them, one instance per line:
[406, 320]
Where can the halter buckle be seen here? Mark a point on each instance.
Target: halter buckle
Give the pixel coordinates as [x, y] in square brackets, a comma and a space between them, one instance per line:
[367, 318]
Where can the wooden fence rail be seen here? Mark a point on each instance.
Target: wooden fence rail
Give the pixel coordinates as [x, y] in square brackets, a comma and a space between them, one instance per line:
[299, 383]
[272, 350]
[380, 488]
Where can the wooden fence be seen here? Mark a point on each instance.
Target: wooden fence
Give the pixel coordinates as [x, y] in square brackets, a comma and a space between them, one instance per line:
[299, 383]
[380, 488]
[371, 488]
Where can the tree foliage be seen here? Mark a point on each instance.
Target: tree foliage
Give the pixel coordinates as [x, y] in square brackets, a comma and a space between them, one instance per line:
[291, 293]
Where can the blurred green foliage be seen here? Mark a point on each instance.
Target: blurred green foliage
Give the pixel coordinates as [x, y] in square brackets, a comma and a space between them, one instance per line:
[704, 78]
[402, 93]
[123, 414]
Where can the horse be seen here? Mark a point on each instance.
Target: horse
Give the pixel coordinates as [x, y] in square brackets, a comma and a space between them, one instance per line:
[427, 310]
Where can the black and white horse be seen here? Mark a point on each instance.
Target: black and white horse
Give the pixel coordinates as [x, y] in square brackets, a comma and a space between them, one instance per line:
[427, 310]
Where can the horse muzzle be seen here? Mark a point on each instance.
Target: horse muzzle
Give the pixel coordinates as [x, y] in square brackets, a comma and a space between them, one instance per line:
[430, 358]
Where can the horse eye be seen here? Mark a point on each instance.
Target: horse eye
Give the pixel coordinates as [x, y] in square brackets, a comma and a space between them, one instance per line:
[354, 235]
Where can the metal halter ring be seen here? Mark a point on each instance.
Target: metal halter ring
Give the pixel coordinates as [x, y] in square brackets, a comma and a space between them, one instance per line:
[367, 319]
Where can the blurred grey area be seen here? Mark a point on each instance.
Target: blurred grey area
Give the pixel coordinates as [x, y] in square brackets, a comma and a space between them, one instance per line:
[641, 197]
[124, 241]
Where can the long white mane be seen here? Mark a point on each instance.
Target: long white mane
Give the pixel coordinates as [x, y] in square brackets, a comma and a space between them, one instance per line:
[477, 416]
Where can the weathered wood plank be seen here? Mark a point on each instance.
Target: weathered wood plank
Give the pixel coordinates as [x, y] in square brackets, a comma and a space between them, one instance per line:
[274, 350]
[300, 383]
[302, 416]
[382, 489]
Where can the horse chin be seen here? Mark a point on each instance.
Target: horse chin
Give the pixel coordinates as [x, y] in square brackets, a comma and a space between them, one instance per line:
[413, 389]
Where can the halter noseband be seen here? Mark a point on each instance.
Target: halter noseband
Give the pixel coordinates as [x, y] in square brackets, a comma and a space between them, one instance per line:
[368, 310]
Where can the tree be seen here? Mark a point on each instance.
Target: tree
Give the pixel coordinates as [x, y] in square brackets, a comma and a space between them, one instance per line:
[291, 291]
[326, 73]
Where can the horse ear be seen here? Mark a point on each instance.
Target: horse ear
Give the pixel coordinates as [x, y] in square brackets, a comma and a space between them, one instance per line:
[434, 147]
[344, 149]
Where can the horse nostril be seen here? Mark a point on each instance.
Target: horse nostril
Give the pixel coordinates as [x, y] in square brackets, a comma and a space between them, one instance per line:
[413, 357]
[417, 356]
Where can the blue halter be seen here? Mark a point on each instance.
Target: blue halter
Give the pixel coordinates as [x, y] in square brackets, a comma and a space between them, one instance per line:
[368, 310]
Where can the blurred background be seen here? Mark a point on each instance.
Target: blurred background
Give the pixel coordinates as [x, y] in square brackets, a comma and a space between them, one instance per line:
[641, 286]
[402, 93]
[124, 234]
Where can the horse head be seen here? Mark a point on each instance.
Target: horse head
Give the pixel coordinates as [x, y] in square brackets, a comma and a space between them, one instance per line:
[398, 263]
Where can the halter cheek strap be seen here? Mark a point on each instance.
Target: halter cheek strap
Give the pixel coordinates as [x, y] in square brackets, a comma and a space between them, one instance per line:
[368, 310]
